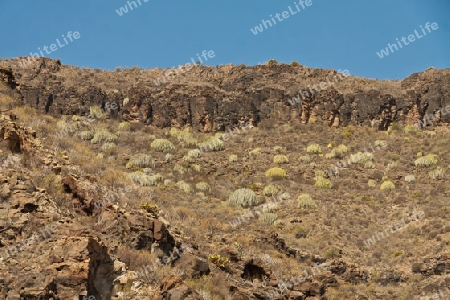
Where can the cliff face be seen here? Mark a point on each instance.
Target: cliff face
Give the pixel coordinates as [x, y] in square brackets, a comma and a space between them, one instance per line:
[216, 98]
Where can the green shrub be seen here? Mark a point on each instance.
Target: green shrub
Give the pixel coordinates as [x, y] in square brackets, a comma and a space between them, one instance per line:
[280, 159]
[203, 187]
[268, 218]
[186, 187]
[179, 168]
[278, 149]
[372, 183]
[108, 147]
[392, 166]
[323, 183]
[150, 208]
[232, 158]
[361, 158]
[306, 201]
[196, 168]
[141, 178]
[272, 62]
[215, 144]
[219, 260]
[380, 143]
[102, 135]
[270, 190]
[337, 152]
[369, 165]
[437, 174]
[168, 157]
[195, 153]
[187, 139]
[294, 64]
[387, 184]
[124, 126]
[140, 161]
[96, 111]
[187, 159]
[174, 132]
[304, 159]
[86, 135]
[243, 198]
[426, 161]
[314, 148]
[276, 173]
[162, 145]
[255, 152]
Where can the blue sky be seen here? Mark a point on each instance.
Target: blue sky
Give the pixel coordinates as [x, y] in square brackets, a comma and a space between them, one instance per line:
[327, 34]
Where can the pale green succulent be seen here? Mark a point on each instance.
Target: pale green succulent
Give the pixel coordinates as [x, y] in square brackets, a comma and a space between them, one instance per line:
[162, 145]
[243, 197]
[306, 201]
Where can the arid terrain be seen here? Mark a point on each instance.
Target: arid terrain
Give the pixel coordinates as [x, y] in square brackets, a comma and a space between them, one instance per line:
[222, 183]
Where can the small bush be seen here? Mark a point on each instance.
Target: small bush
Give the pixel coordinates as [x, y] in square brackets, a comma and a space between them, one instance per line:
[187, 139]
[437, 174]
[280, 159]
[96, 111]
[102, 135]
[294, 64]
[426, 161]
[314, 148]
[150, 208]
[372, 183]
[124, 126]
[179, 168]
[369, 165]
[380, 143]
[268, 218]
[361, 158]
[270, 190]
[186, 187]
[243, 198]
[272, 62]
[141, 178]
[140, 161]
[306, 201]
[232, 158]
[304, 159]
[278, 149]
[194, 153]
[162, 145]
[86, 135]
[255, 152]
[323, 183]
[168, 157]
[337, 152]
[387, 185]
[196, 168]
[215, 144]
[276, 173]
[219, 260]
[203, 187]
[108, 148]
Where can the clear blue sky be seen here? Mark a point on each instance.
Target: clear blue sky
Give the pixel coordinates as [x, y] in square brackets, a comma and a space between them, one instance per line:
[343, 34]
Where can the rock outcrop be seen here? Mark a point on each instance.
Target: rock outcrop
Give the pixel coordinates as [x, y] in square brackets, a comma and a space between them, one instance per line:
[215, 98]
